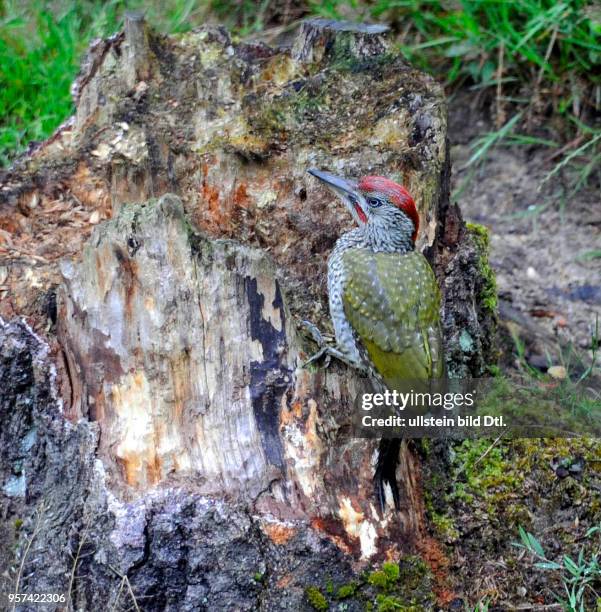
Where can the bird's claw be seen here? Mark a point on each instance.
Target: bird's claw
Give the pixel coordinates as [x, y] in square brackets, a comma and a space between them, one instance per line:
[317, 356]
[325, 350]
[318, 338]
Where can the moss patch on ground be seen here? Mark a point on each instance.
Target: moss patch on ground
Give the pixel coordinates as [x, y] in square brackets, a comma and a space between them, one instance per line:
[479, 492]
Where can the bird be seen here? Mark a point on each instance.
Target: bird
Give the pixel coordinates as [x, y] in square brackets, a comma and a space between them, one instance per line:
[384, 299]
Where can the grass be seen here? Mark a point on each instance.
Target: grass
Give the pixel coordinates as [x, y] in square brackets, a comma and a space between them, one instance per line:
[546, 45]
[41, 46]
[487, 489]
[537, 58]
[579, 576]
[39, 57]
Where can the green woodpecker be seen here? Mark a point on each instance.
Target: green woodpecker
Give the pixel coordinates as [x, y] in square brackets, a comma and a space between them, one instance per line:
[384, 298]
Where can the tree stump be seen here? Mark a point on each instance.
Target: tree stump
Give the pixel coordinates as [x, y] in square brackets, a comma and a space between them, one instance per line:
[165, 243]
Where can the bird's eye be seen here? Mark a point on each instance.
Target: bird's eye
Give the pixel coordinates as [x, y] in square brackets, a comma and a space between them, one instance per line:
[374, 202]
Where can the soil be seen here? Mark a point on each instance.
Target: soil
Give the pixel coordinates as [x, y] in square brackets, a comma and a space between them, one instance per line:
[480, 492]
[539, 235]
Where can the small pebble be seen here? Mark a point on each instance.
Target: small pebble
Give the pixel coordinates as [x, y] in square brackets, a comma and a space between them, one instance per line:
[562, 472]
[531, 272]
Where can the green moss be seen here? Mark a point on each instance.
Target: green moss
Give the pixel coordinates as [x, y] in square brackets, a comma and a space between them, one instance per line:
[435, 484]
[391, 570]
[482, 477]
[378, 579]
[271, 118]
[493, 370]
[424, 445]
[316, 598]
[413, 573]
[494, 480]
[346, 590]
[18, 523]
[389, 603]
[309, 112]
[343, 47]
[306, 103]
[401, 585]
[445, 526]
[386, 577]
[512, 483]
[488, 293]
[485, 473]
[258, 577]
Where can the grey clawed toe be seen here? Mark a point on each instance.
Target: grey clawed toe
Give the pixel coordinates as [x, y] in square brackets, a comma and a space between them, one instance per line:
[326, 351]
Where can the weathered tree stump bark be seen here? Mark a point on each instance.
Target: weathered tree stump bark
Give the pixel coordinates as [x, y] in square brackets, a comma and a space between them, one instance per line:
[177, 343]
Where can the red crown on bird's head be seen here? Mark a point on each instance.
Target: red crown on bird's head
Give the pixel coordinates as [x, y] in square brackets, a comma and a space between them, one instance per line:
[396, 194]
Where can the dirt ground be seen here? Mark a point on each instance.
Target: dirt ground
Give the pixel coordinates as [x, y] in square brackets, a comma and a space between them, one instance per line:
[538, 237]
[482, 491]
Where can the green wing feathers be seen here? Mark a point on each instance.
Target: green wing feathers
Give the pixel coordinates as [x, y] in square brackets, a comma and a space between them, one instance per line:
[392, 301]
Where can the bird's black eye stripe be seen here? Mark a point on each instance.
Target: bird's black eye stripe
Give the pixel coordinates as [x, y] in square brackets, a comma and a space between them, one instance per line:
[374, 202]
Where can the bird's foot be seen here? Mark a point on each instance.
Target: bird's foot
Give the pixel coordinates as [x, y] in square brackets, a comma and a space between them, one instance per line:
[326, 351]
[315, 333]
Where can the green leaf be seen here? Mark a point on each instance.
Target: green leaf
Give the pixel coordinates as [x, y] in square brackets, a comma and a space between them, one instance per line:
[459, 49]
[550, 565]
[571, 566]
[536, 545]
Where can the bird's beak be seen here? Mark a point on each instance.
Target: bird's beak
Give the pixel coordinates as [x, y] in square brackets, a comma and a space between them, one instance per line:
[347, 191]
